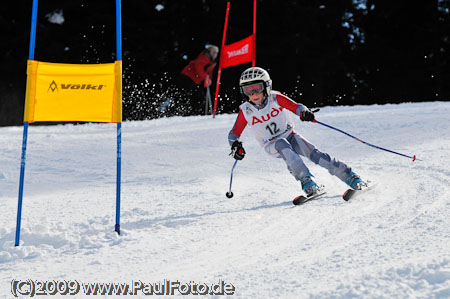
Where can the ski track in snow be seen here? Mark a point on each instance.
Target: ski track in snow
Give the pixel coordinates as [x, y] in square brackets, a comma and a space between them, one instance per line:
[177, 224]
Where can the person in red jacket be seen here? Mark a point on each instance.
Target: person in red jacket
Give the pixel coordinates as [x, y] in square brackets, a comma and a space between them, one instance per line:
[198, 71]
[202, 67]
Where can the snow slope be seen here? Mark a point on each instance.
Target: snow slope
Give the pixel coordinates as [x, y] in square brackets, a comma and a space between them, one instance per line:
[177, 224]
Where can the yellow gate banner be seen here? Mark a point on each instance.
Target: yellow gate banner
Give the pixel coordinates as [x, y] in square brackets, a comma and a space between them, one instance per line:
[73, 92]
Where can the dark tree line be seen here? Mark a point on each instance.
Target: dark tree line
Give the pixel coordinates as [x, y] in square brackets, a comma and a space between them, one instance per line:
[320, 53]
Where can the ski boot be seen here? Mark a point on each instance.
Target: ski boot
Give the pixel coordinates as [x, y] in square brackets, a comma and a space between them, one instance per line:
[355, 182]
[309, 186]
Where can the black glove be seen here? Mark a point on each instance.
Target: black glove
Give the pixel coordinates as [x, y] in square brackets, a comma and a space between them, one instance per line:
[237, 150]
[307, 115]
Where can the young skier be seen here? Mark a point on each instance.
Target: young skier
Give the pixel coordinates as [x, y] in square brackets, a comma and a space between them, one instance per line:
[265, 114]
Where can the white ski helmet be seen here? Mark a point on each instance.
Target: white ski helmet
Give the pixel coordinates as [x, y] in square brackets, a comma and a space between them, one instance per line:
[254, 75]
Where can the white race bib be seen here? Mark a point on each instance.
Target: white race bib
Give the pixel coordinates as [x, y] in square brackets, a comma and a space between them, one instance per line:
[269, 123]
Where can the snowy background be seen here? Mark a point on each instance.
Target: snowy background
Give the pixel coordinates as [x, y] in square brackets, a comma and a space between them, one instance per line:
[177, 224]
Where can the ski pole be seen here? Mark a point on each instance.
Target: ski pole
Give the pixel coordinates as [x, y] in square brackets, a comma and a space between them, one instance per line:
[229, 194]
[366, 143]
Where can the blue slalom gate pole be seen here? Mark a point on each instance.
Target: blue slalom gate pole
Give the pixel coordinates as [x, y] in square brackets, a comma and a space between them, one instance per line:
[229, 194]
[366, 143]
[25, 126]
[22, 177]
[118, 30]
[119, 157]
[119, 125]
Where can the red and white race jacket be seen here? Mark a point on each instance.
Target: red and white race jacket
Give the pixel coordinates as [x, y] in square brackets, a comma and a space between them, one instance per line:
[269, 123]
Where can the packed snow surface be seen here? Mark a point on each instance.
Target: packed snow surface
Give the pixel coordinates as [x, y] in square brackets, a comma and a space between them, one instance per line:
[177, 224]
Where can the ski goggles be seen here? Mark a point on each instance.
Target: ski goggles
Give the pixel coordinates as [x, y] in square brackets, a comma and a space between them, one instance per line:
[252, 89]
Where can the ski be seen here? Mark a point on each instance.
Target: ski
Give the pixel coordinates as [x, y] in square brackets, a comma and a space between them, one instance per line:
[301, 199]
[348, 195]
[352, 193]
